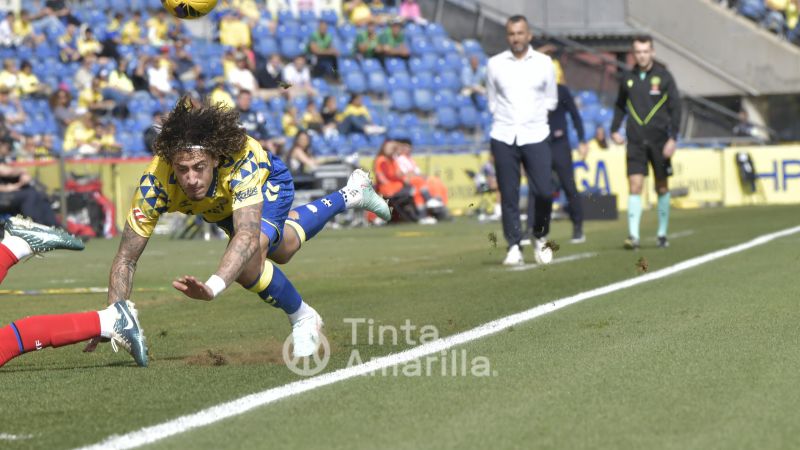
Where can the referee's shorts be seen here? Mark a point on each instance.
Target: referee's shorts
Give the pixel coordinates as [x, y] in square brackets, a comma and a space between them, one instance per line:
[640, 152]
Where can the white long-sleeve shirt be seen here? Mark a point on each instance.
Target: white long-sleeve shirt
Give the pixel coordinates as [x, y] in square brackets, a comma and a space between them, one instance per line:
[520, 94]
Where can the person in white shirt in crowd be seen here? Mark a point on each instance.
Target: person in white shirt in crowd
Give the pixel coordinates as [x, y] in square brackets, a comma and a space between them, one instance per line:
[521, 89]
[297, 76]
[240, 78]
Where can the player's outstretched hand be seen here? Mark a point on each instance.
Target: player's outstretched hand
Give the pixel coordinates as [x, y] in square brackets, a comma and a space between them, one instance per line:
[193, 288]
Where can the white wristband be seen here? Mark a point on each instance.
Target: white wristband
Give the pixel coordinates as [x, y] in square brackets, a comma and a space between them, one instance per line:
[216, 284]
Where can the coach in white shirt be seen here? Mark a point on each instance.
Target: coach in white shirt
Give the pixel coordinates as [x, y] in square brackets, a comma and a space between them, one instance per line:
[521, 87]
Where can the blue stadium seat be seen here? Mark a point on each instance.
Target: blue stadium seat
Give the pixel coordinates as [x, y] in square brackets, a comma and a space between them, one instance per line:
[471, 46]
[447, 80]
[444, 97]
[348, 66]
[456, 138]
[463, 100]
[588, 98]
[447, 118]
[468, 116]
[266, 46]
[423, 100]
[400, 80]
[416, 64]
[376, 82]
[438, 138]
[422, 80]
[355, 82]
[420, 46]
[329, 16]
[395, 65]
[375, 141]
[291, 47]
[347, 31]
[430, 60]
[412, 29]
[358, 141]
[300, 103]
[371, 65]
[754, 9]
[286, 16]
[421, 137]
[400, 100]
[443, 45]
[321, 86]
[277, 104]
[409, 120]
[308, 17]
[392, 120]
[435, 29]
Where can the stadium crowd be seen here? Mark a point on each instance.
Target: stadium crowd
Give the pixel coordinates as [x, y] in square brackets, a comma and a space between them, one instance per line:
[779, 16]
[91, 78]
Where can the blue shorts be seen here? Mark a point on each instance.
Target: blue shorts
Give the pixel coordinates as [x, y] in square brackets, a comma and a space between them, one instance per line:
[278, 194]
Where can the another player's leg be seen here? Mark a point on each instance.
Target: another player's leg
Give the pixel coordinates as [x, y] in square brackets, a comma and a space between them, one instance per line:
[24, 238]
[662, 187]
[506, 165]
[538, 162]
[119, 322]
[562, 164]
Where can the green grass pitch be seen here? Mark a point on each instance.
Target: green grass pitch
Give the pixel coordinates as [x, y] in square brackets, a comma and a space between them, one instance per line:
[703, 359]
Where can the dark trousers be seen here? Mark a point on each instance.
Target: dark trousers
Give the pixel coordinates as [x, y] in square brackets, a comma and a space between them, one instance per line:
[562, 164]
[28, 202]
[537, 161]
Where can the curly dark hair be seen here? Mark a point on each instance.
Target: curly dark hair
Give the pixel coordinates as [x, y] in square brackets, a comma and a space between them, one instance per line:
[214, 129]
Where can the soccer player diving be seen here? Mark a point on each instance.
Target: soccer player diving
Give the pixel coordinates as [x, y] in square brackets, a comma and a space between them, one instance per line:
[206, 165]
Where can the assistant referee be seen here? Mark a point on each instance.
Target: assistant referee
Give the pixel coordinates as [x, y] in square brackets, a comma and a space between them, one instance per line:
[649, 95]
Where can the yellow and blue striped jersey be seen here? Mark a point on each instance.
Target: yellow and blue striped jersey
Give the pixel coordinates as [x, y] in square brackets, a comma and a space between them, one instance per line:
[239, 181]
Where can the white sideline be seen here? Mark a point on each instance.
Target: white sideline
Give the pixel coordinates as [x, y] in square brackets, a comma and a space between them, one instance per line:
[232, 408]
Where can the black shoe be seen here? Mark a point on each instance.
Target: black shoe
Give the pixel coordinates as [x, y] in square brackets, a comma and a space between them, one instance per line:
[577, 235]
[662, 242]
[631, 243]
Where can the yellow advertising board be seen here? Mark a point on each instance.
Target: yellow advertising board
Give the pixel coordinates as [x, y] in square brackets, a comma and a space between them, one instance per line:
[777, 170]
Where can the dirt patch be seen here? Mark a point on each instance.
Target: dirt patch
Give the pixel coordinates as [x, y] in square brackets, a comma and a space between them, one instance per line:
[242, 354]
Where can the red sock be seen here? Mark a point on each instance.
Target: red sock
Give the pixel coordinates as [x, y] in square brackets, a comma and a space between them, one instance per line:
[7, 259]
[38, 332]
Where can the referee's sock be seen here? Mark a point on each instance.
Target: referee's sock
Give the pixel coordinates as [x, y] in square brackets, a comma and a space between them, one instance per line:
[634, 215]
[663, 214]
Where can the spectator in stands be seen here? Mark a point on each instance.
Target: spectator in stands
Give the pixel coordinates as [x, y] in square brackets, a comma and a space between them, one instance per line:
[33, 148]
[119, 86]
[13, 114]
[270, 74]
[357, 12]
[7, 36]
[106, 140]
[85, 74]
[91, 98]
[152, 131]
[240, 77]
[68, 44]
[131, 32]
[298, 77]
[473, 78]
[28, 84]
[80, 136]
[19, 196]
[312, 119]
[330, 126]
[392, 41]
[289, 122]
[234, 31]
[409, 10]
[9, 75]
[159, 75]
[300, 159]
[88, 43]
[356, 118]
[54, 13]
[367, 41]
[320, 47]
[253, 121]
[24, 31]
[391, 184]
[61, 106]
[157, 29]
[185, 69]
[430, 194]
[219, 95]
[600, 141]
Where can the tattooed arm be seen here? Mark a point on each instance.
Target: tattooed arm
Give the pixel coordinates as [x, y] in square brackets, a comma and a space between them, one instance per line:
[243, 246]
[120, 281]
